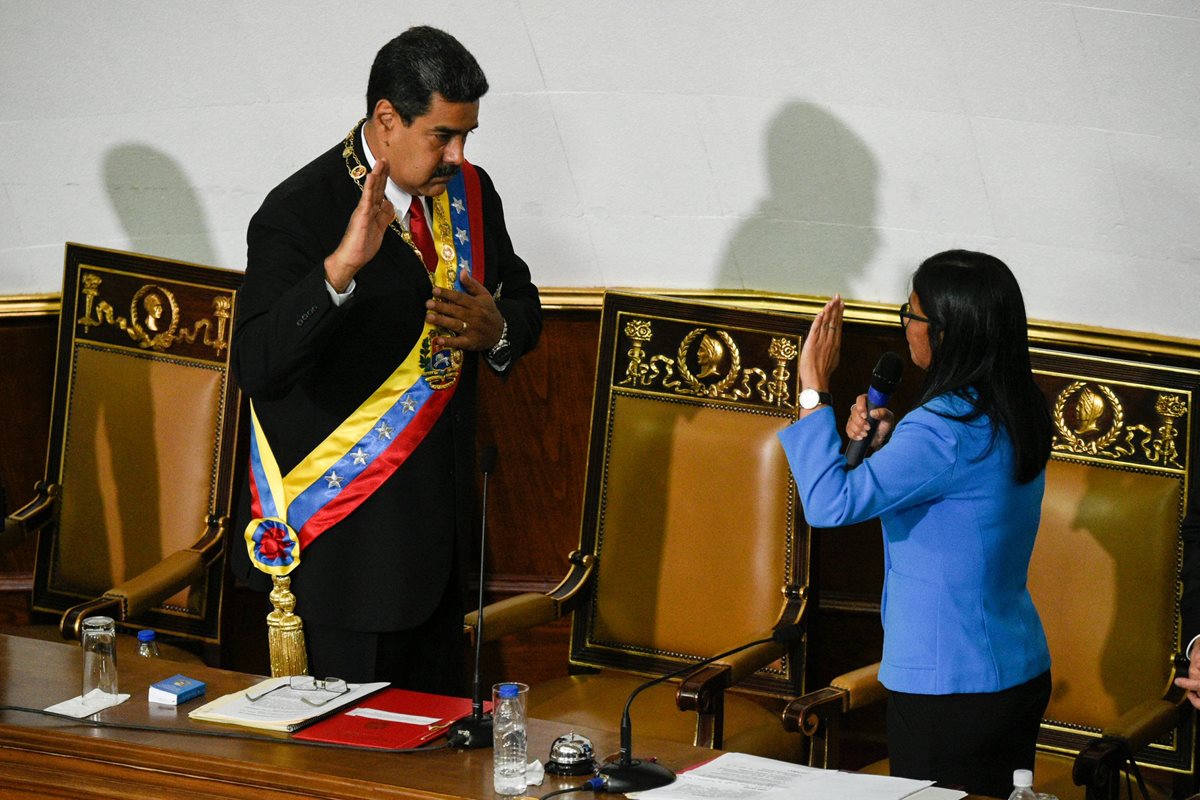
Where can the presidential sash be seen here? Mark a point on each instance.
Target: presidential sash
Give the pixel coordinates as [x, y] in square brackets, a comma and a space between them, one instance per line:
[291, 511]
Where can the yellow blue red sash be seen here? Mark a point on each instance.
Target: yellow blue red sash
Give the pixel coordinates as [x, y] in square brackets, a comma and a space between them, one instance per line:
[291, 511]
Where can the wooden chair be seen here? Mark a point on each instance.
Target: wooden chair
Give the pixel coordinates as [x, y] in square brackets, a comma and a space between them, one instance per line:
[131, 516]
[1104, 574]
[692, 542]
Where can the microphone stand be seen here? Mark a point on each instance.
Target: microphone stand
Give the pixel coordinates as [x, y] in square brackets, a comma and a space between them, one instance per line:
[628, 774]
[475, 731]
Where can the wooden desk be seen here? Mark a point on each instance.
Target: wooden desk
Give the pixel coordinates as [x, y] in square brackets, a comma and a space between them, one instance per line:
[44, 757]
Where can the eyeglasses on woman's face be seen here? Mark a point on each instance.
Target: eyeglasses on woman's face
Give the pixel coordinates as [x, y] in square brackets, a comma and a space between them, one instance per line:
[907, 315]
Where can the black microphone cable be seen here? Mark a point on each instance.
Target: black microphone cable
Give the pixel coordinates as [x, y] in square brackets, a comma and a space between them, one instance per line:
[592, 785]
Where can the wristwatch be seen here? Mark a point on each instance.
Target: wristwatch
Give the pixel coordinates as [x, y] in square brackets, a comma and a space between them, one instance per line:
[811, 398]
[501, 352]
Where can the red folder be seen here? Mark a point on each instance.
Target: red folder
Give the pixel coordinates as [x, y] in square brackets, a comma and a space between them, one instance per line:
[373, 722]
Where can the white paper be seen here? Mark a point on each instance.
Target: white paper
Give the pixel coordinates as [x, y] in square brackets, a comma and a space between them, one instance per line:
[391, 716]
[736, 776]
[937, 793]
[96, 701]
[282, 709]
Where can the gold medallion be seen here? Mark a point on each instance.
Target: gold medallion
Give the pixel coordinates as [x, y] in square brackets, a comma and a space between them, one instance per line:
[441, 367]
[358, 172]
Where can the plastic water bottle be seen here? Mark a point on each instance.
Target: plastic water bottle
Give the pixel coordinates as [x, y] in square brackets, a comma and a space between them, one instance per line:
[147, 646]
[1022, 785]
[509, 752]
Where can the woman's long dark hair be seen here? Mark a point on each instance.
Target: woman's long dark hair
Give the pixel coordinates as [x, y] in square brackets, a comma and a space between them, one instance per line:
[980, 350]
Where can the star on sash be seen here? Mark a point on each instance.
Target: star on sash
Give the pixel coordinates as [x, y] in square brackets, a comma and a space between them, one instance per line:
[461, 235]
[457, 203]
[335, 480]
[360, 457]
[409, 405]
[464, 265]
[384, 430]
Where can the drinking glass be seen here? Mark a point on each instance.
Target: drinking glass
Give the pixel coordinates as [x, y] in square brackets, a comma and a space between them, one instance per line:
[99, 641]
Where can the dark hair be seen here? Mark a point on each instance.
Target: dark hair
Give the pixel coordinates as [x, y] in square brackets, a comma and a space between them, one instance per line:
[423, 60]
[980, 350]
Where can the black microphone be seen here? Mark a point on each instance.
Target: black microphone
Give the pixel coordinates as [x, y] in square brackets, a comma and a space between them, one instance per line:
[628, 774]
[884, 380]
[475, 731]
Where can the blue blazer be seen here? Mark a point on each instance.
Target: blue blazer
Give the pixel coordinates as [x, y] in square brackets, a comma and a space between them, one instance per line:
[958, 532]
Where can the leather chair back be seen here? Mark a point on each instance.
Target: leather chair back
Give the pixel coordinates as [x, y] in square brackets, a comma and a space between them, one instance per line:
[143, 432]
[1105, 569]
[689, 507]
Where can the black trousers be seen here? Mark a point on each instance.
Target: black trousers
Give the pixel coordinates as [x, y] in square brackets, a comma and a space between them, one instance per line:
[974, 741]
[427, 658]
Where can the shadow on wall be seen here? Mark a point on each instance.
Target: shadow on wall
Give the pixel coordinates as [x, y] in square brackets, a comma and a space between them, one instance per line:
[162, 216]
[157, 205]
[814, 233]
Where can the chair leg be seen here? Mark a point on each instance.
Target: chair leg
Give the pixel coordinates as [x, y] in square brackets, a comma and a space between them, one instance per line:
[710, 723]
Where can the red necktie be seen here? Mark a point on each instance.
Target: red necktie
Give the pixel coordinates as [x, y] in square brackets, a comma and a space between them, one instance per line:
[419, 228]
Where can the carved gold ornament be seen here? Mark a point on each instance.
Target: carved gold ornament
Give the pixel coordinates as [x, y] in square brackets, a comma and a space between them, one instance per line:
[718, 372]
[782, 352]
[1088, 410]
[721, 387]
[710, 354]
[154, 317]
[638, 331]
[1120, 442]
[1162, 450]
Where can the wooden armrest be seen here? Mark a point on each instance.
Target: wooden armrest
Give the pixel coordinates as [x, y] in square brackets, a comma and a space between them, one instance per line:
[818, 714]
[148, 589]
[531, 609]
[513, 614]
[1144, 723]
[30, 518]
[847, 692]
[142, 592]
[697, 689]
[744, 664]
[862, 687]
[1098, 765]
[138, 594]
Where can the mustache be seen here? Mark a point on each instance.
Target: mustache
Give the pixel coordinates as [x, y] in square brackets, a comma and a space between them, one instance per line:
[446, 171]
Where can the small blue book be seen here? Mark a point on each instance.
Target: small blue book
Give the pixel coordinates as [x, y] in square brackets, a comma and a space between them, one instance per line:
[175, 690]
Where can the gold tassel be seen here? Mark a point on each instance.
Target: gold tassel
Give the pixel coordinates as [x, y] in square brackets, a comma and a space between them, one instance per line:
[285, 632]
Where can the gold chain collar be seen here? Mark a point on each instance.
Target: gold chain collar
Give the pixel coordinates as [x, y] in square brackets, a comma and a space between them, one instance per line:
[358, 171]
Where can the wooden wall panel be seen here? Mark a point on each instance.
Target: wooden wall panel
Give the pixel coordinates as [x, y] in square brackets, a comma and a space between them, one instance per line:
[538, 419]
[26, 384]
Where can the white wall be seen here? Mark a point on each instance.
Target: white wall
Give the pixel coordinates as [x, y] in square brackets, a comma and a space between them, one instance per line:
[799, 146]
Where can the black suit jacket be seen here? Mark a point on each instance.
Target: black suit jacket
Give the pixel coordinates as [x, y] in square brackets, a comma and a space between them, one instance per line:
[307, 364]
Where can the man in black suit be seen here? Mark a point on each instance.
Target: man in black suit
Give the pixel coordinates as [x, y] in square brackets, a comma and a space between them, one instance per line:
[377, 277]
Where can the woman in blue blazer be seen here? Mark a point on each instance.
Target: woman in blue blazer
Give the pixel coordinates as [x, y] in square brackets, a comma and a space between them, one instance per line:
[958, 487]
